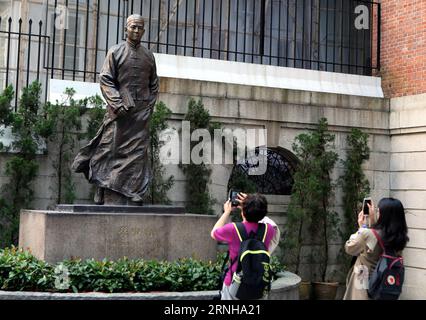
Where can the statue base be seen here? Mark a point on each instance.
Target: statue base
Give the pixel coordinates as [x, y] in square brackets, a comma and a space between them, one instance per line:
[93, 208]
[114, 232]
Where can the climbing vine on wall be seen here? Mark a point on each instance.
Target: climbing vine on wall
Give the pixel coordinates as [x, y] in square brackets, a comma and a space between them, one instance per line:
[65, 117]
[36, 129]
[159, 185]
[198, 175]
[354, 183]
[29, 131]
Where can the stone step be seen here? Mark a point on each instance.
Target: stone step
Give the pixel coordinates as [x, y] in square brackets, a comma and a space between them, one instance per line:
[88, 208]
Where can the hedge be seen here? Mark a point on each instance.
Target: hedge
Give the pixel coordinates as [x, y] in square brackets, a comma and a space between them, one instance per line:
[21, 271]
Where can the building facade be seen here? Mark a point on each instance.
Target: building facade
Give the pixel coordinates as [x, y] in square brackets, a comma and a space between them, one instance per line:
[276, 65]
[404, 84]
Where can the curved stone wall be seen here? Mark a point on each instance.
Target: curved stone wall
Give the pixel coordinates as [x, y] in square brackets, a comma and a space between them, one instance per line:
[286, 287]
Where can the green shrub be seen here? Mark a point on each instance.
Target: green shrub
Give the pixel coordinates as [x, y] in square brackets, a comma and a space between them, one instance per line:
[29, 130]
[95, 115]
[355, 187]
[198, 175]
[64, 120]
[21, 271]
[310, 211]
[158, 185]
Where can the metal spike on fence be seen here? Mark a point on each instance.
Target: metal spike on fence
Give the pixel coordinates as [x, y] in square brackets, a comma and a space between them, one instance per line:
[30, 24]
[18, 62]
[40, 24]
[8, 50]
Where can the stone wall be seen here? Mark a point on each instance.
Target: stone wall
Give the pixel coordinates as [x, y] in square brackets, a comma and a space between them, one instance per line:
[285, 114]
[408, 184]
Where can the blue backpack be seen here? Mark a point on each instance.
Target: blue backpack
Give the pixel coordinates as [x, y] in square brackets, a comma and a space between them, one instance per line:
[387, 278]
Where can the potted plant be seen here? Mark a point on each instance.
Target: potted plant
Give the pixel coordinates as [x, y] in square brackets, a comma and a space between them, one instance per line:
[324, 220]
[297, 217]
[355, 186]
[309, 218]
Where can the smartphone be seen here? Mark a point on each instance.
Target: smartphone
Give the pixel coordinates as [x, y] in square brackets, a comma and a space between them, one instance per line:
[233, 198]
[365, 208]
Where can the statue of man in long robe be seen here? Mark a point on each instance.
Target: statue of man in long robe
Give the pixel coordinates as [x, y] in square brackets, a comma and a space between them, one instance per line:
[116, 160]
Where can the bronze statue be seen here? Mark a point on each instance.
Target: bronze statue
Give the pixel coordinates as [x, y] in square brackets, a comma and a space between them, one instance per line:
[116, 160]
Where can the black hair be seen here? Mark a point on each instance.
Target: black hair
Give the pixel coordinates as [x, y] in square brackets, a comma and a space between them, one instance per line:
[255, 207]
[392, 224]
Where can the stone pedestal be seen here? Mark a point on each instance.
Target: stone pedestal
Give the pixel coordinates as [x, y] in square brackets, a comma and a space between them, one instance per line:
[113, 232]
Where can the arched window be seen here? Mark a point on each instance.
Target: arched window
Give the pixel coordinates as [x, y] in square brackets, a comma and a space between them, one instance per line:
[278, 178]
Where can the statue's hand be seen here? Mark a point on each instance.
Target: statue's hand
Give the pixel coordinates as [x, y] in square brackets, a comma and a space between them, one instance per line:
[122, 111]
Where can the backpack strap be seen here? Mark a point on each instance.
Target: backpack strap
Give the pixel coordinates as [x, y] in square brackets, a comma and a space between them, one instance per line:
[241, 231]
[225, 261]
[262, 231]
[395, 257]
[242, 235]
[399, 259]
[379, 239]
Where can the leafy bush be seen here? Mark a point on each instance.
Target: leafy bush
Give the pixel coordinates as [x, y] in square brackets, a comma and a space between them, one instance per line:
[64, 120]
[355, 185]
[198, 175]
[158, 185]
[29, 131]
[96, 116]
[310, 207]
[21, 271]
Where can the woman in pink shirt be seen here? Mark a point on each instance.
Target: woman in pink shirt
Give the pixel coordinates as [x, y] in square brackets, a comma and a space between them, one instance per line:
[254, 208]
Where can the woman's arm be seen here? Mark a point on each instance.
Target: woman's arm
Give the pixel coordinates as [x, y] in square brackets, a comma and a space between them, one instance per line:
[227, 208]
[356, 244]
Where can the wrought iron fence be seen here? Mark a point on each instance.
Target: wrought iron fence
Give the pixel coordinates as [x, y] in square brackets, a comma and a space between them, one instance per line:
[73, 36]
[24, 56]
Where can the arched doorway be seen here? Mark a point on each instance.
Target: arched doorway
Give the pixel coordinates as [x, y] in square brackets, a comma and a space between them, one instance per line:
[278, 178]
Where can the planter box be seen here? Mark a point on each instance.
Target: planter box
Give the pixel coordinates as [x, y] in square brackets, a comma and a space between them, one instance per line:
[286, 287]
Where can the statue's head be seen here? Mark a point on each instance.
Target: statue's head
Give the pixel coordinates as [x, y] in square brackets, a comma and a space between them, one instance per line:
[135, 28]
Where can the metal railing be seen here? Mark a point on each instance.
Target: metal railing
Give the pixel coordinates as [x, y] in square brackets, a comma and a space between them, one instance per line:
[25, 56]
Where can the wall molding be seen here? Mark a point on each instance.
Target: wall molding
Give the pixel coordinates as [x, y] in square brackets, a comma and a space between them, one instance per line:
[203, 69]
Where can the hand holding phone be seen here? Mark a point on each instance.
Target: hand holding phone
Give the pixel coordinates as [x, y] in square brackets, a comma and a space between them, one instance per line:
[233, 197]
[365, 208]
[366, 211]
